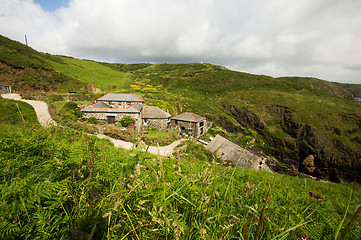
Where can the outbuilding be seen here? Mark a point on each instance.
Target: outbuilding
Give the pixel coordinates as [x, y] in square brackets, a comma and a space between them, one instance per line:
[190, 123]
[155, 117]
[5, 89]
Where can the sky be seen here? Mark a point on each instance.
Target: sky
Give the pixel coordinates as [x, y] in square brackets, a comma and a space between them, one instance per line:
[308, 38]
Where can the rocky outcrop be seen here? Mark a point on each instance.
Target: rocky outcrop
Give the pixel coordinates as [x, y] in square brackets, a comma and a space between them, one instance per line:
[333, 159]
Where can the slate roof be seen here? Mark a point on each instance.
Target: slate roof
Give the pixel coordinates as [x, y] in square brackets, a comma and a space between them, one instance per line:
[120, 97]
[154, 112]
[189, 117]
[102, 107]
[230, 151]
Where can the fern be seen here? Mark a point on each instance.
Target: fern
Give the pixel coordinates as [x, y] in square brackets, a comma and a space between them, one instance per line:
[7, 229]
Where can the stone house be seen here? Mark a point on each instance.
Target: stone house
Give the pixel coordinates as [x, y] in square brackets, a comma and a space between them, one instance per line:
[5, 89]
[113, 106]
[155, 117]
[104, 112]
[190, 124]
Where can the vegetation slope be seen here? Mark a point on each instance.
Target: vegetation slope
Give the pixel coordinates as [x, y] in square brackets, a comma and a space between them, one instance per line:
[288, 118]
[61, 183]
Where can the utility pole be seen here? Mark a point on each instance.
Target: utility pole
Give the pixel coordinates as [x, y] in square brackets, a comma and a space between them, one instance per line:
[94, 80]
[27, 46]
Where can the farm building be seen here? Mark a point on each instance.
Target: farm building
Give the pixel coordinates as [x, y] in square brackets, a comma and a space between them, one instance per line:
[113, 106]
[155, 117]
[5, 89]
[190, 124]
[229, 151]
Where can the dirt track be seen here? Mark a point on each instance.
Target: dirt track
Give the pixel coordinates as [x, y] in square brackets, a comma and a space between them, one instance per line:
[41, 109]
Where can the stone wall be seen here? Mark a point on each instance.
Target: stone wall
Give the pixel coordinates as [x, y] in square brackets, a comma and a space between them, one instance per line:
[118, 117]
[120, 104]
[191, 128]
[159, 124]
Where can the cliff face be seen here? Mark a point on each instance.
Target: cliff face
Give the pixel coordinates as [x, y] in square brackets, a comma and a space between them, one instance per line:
[334, 159]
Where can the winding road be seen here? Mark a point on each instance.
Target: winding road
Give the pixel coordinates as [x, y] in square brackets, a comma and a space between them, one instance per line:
[41, 109]
[42, 112]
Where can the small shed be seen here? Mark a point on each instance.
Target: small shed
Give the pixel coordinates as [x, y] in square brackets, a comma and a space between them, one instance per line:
[155, 117]
[5, 89]
[190, 123]
[229, 151]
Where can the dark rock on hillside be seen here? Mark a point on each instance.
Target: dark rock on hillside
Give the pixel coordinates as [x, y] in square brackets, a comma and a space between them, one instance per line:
[334, 160]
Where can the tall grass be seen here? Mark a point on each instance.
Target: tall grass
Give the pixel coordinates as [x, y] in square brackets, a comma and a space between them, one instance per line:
[60, 184]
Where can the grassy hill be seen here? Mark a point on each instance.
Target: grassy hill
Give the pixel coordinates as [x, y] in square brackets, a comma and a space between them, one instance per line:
[355, 89]
[28, 70]
[288, 118]
[60, 183]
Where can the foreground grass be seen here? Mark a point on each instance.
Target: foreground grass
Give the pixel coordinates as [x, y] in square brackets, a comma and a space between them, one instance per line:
[61, 184]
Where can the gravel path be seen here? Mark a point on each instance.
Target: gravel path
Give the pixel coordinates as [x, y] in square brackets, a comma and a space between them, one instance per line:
[42, 112]
[164, 151]
[41, 109]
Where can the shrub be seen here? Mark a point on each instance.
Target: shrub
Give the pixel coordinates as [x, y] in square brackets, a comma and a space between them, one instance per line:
[127, 121]
[72, 108]
[93, 120]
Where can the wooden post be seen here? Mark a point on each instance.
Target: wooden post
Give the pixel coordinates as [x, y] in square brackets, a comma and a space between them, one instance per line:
[27, 46]
[20, 113]
[94, 81]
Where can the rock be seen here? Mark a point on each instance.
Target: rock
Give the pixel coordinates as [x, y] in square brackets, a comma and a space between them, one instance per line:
[316, 195]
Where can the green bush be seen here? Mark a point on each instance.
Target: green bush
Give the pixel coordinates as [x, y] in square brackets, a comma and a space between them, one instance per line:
[127, 121]
[72, 108]
[93, 120]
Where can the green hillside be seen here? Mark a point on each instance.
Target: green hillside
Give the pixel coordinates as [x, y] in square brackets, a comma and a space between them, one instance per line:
[28, 70]
[89, 71]
[63, 183]
[60, 183]
[355, 89]
[293, 117]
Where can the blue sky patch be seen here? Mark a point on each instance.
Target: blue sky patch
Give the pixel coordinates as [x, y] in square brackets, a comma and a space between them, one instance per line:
[52, 5]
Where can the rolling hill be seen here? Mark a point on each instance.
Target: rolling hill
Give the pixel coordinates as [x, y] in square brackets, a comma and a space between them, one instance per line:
[288, 117]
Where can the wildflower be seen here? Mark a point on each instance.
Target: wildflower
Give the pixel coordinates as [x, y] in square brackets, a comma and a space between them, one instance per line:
[304, 238]
[248, 185]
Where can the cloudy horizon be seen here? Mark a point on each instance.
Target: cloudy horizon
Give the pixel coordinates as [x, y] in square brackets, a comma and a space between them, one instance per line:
[319, 38]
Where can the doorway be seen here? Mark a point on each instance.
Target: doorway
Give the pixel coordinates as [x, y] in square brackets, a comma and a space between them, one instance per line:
[111, 119]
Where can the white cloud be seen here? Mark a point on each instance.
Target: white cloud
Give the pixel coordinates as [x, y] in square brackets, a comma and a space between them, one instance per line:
[277, 37]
